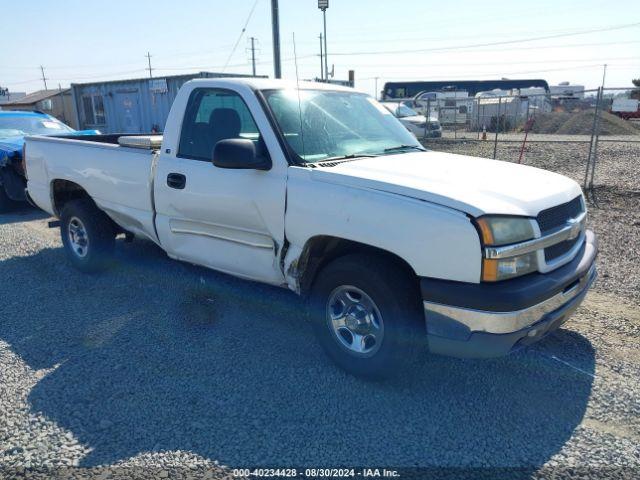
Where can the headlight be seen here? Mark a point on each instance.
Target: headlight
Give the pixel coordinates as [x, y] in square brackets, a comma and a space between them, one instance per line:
[497, 231]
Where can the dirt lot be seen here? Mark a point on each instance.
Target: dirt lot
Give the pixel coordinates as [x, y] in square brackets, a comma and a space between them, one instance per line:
[160, 369]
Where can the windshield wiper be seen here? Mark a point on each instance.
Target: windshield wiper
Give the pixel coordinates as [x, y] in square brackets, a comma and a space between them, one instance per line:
[404, 147]
[351, 156]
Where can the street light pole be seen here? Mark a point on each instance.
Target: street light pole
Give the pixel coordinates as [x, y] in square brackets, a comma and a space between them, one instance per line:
[321, 59]
[326, 65]
[275, 26]
[253, 55]
[323, 5]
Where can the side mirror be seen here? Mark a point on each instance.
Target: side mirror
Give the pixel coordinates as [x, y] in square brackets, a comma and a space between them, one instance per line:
[239, 153]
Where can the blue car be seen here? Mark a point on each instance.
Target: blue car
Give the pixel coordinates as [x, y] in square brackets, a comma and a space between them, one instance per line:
[14, 126]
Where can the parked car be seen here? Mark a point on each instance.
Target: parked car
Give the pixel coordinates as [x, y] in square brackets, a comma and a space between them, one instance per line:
[413, 121]
[14, 125]
[626, 108]
[319, 189]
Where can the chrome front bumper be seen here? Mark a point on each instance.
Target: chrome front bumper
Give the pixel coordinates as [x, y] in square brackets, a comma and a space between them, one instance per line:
[508, 322]
[479, 320]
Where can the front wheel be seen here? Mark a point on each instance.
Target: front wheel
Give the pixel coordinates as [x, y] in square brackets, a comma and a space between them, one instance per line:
[87, 235]
[365, 313]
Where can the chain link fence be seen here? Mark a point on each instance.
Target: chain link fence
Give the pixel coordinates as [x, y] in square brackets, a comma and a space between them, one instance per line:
[569, 134]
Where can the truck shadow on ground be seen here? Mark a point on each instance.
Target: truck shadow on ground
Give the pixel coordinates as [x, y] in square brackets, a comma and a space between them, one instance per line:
[22, 213]
[157, 355]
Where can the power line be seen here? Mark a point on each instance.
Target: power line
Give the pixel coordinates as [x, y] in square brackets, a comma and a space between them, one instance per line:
[200, 67]
[22, 82]
[490, 44]
[444, 22]
[244, 28]
[485, 74]
[437, 49]
[203, 53]
[506, 62]
[555, 46]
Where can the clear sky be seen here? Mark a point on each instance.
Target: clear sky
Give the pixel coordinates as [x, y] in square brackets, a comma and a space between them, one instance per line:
[83, 41]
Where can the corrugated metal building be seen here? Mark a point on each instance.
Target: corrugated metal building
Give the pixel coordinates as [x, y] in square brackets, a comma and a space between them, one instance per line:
[130, 106]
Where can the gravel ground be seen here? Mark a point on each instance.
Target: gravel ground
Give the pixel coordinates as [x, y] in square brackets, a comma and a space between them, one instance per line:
[158, 369]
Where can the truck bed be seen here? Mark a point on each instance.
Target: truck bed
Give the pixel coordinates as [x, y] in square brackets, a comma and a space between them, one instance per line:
[118, 178]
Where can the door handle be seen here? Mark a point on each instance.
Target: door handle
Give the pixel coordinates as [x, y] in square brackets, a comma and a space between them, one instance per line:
[176, 180]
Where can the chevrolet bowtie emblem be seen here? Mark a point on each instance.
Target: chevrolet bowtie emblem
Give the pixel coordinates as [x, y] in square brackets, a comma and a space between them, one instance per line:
[575, 228]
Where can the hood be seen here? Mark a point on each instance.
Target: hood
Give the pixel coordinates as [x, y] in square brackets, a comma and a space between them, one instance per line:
[414, 119]
[474, 185]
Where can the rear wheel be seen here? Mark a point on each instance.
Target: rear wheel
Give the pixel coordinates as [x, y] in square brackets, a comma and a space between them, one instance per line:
[365, 313]
[87, 235]
[6, 204]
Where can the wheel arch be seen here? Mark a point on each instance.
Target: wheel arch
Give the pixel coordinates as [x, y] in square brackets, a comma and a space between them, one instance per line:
[320, 250]
[63, 191]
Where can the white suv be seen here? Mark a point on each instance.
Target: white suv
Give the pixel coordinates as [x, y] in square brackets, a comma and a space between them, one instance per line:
[414, 122]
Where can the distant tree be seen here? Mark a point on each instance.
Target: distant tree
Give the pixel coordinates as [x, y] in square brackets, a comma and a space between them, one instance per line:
[635, 93]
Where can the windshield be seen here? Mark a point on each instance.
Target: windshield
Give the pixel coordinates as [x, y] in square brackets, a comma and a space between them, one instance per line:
[324, 124]
[404, 111]
[15, 126]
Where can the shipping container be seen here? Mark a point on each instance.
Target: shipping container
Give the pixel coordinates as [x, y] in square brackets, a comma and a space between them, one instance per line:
[130, 106]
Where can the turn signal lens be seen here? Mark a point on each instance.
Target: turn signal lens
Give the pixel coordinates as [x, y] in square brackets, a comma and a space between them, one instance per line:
[485, 229]
[494, 270]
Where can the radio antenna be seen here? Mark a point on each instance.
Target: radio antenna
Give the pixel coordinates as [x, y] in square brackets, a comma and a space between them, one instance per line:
[295, 58]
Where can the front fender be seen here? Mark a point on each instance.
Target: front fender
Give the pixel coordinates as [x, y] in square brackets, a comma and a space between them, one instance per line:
[436, 241]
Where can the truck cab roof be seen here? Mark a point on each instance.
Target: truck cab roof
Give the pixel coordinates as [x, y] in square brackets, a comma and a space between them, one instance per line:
[268, 84]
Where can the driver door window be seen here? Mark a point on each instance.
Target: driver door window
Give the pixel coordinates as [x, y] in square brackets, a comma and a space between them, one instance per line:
[213, 115]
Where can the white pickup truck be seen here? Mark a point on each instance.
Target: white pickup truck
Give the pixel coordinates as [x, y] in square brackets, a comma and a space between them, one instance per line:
[320, 189]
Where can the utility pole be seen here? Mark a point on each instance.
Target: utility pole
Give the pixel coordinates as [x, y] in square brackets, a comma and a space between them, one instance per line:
[253, 55]
[321, 59]
[64, 110]
[376, 92]
[275, 27]
[148, 55]
[44, 79]
[323, 5]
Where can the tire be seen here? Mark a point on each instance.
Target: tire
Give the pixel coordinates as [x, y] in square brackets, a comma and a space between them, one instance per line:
[6, 204]
[387, 308]
[87, 235]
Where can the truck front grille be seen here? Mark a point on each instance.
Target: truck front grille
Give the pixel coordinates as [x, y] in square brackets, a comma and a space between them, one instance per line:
[559, 249]
[558, 216]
